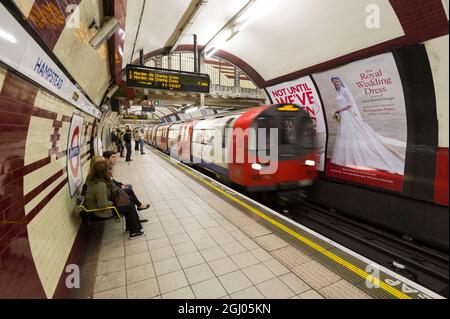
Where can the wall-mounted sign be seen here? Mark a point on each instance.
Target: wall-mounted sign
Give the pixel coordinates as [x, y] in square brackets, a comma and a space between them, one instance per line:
[21, 52]
[161, 79]
[135, 117]
[74, 175]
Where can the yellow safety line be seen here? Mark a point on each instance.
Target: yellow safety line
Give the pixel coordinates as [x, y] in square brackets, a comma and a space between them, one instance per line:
[308, 242]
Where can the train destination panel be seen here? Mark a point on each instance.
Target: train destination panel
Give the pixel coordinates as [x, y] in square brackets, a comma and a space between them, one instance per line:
[161, 79]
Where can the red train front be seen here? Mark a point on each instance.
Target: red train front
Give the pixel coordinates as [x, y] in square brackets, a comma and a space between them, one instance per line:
[283, 159]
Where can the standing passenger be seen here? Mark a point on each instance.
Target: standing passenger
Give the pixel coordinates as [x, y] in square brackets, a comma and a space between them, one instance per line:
[127, 139]
[136, 140]
[141, 140]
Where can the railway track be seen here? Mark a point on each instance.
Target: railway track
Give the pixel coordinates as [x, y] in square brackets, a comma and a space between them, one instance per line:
[412, 260]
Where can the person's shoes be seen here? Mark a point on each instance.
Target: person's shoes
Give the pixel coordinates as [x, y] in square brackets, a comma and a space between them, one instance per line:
[144, 208]
[128, 229]
[137, 235]
[143, 220]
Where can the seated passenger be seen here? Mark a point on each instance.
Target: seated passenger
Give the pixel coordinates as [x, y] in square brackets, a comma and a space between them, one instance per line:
[99, 195]
[97, 190]
[110, 158]
[94, 160]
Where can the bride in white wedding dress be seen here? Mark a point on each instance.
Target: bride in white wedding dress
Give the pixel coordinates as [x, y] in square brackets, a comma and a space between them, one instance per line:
[357, 144]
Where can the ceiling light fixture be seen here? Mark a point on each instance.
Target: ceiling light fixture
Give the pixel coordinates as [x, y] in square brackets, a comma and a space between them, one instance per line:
[228, 31]
[7, 36]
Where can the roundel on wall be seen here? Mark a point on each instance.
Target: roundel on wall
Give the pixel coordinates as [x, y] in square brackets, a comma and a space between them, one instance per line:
[74, 174]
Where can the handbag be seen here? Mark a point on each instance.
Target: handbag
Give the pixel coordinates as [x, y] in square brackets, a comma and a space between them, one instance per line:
[120, 198]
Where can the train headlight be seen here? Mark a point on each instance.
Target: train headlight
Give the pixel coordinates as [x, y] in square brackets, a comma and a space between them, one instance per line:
[256, 166]
[310, 163]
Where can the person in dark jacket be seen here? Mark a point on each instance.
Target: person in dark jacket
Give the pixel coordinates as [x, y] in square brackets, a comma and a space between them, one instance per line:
[127, 139]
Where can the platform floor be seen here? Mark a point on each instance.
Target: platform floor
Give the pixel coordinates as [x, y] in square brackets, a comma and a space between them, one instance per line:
[198, 245]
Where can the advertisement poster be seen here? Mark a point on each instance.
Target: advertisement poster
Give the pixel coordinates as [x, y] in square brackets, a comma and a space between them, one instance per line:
[74, 175]
[302, 92]
[366, 116]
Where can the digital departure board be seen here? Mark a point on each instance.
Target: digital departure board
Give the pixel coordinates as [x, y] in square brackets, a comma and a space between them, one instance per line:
[161, 79]
[134, 117]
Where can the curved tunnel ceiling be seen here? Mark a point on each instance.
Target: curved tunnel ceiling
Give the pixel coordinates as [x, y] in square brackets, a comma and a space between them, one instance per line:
[283, 36]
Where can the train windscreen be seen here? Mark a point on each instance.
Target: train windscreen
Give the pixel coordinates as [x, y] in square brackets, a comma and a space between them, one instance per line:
[288, 131]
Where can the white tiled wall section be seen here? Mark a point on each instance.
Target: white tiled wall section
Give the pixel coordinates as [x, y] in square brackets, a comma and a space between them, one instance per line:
[438, 54]
[52, 233]
[89, 67]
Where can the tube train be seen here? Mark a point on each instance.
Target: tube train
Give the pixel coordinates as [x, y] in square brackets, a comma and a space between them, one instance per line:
[265, 148]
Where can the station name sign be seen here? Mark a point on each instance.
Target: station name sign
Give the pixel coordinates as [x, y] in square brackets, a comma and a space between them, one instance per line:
[162, 79]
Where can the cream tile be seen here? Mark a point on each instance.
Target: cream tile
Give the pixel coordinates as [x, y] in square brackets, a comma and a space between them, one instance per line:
[155, 234]
[138, 259]
[143, 290]
[158, 243]
[223, 266]
[117, 293]
[271, 242]
[311, 294]
[294, 283]
[204, 243]
[209, 289]
[106, 267]
[249, 244]
[166, 266]
[172, 281]
[111, 253]
[179, 238]
[249, 293]
[191, 259]
[174, 230]
[213, 253]
[261, 254]
[235, 281]
[139, 273]
[276, 267]
[233, 248]
[183, 293]
[275, 289]
[162, 253]
[258, 273]
[198, 273]
[109, 281]
[137, 248]
[184, 248]
[245, 259]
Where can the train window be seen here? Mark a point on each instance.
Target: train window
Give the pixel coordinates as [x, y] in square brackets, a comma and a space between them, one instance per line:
[197, 138]
[307, 134]
[288, 131]
[205, 136]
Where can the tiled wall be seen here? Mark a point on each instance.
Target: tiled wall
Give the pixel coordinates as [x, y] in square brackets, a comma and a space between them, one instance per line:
[89, 67]
[38, 226]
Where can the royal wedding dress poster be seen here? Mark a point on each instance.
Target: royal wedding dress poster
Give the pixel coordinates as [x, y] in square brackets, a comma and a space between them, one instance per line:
[302, 92]
[366, 117]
